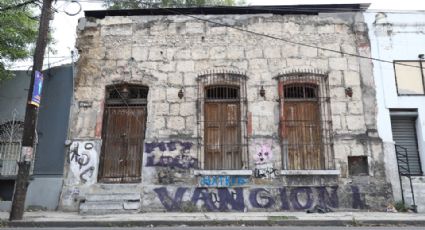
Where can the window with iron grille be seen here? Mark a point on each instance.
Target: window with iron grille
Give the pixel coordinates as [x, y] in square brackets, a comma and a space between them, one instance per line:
[305, 125]
[222, 121]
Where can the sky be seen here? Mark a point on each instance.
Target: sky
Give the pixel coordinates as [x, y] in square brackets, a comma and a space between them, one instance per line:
[64, 26]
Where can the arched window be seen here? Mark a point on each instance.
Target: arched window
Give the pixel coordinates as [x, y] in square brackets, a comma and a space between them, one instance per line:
[222, 121]
[305, 123]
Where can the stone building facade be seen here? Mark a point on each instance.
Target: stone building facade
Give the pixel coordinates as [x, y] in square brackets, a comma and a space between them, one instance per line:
[224, 110]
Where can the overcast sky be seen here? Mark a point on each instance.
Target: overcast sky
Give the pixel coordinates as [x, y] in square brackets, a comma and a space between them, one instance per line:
[65, 26]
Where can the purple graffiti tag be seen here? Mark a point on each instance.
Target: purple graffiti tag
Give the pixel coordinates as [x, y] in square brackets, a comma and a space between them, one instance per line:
[357, 201]
[186, 146]
[171, 204]
[180, 161]
[284, 199]
[326, 199]
[264, 195]
[171, 146]
[204, 195]
[227, 198]
[296, 204]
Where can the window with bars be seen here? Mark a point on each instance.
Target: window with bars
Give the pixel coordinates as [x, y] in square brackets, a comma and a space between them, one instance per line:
[305, 125]
[222, 121]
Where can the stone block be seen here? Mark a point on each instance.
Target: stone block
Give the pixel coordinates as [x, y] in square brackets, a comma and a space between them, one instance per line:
[336, 122]
[140, 53]
[338, 108]
[162, 109]
[235, 52]
[183, 54]
[326, 29]
[156, 54]
[174, 109]
[253, 52]
[272, 52]
[258, 64]
[338, 63]
[355, 107]
[194, 27]
[355, 122]
[172, 94]
[218, 52]
[200, 53]
[351, 78]
[167, 66]
[175, 122]
[187, 108]
[186, 66]
[175, 78]
[119, 53]
[290, 50]
[308, 51]
[297, 62]
[216, 30]
[326, 53]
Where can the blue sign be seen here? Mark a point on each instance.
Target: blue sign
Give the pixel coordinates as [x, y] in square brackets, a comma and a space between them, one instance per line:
[223, 181]
[36, 92]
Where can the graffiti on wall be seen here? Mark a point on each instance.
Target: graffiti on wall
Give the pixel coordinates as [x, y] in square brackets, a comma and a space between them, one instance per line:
[240, 199]
[174, 154]
[83, 161]
[263, 160]
[222, 181]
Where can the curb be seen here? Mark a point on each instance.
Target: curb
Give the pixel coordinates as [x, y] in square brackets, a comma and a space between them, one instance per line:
[150, 223]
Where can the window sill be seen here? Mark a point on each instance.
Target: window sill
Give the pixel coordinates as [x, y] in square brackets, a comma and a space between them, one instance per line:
[242, 172]
[309, 172]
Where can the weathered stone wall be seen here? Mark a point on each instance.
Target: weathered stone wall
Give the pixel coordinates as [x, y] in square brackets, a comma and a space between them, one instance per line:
[167, 53]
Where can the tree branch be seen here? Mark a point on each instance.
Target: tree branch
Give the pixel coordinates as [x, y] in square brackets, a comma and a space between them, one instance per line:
[23, 4]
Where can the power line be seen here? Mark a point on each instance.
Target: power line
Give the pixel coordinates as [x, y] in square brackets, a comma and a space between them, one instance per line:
[285, 40]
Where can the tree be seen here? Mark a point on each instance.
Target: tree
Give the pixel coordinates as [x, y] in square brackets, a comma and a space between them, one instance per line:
[18, 30]
[134, 4]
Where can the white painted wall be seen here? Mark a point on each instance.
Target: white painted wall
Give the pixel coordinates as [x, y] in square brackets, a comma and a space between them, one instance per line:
[399, 36]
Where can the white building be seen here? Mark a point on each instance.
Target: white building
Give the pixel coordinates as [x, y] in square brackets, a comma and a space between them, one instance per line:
[400, 38]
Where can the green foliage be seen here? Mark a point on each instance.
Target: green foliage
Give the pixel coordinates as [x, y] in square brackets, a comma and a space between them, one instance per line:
[18, 30]
[134, 4]
[401, 207]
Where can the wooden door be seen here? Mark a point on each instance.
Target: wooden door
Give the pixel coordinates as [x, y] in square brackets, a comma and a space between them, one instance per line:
[123, 135]
[302, 131]
[222, 135]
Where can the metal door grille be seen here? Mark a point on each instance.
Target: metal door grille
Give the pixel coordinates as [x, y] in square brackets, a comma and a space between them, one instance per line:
[221, 121]
[305, 124]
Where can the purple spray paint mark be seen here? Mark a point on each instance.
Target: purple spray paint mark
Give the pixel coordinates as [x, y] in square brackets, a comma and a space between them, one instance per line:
[326, 199]
[203, 194]
[296, 204]
[226, 199]
[171, 204]
[357, 201]
[284, 199]
[264, 195]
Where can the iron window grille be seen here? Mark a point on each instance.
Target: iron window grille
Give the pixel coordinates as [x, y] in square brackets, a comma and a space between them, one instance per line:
[305, 122]
[222, 121]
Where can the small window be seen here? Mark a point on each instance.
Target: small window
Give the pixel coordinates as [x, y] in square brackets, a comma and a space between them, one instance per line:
[409, 77]
[300, 91]
[222, 92]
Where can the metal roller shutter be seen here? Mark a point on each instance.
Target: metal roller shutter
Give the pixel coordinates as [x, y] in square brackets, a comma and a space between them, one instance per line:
[404, 135]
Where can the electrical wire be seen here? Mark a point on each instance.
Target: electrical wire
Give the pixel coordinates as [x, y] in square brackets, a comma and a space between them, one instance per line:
[285, 40]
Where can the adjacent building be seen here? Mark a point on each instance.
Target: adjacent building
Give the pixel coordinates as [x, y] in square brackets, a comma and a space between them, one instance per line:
[398, 38]
[225, 109]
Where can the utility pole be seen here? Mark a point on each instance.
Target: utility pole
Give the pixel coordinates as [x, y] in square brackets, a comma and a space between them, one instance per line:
[24, 164]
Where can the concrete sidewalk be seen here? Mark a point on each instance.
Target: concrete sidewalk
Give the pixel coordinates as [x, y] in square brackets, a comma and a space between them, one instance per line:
[70, 219]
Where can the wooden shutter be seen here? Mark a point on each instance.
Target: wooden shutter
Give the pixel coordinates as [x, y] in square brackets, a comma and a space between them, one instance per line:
[302, 129]
[222, 136]
[122, 148]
